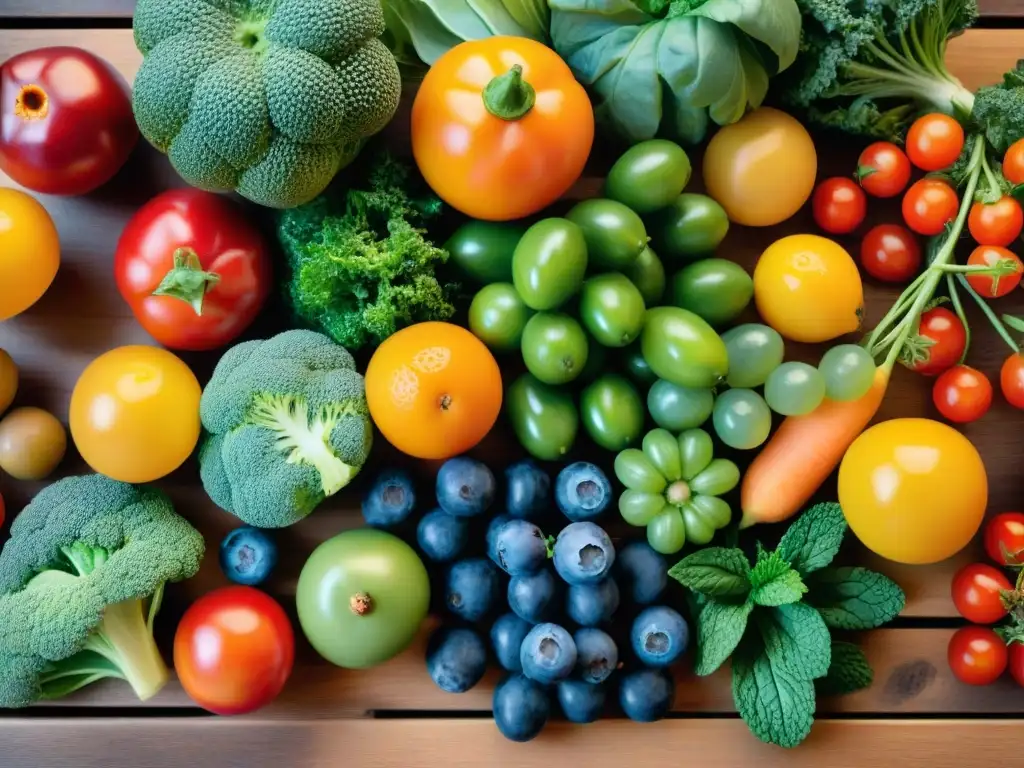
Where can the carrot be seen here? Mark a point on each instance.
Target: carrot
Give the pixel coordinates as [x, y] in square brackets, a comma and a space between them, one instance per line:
[803, 453]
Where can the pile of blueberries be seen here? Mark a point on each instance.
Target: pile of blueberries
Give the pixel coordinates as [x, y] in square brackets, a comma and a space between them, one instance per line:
[557, 611]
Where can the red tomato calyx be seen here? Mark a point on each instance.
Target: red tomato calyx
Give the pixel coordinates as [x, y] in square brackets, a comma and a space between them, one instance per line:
[508, 96]
[187, 280]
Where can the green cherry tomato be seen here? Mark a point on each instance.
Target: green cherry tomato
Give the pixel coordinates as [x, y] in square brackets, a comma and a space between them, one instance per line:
[755, 350]
[691, 227]
[677, 408]
[666, 533]
[648, 274]
[649, 176]
[612, 412]
[612, 309]
[497, 316]
[742, 419]
[549, 263]
[682, 348]
[794, 389]
[636, 365]
[716, 289]
[554, 347]
[615, 235]
[543, 417]
[482, 250]
[639, 507]
[636, 471]
[848, 370]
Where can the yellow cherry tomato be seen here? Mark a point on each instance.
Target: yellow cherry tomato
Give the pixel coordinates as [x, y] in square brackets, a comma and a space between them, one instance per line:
[29, 252]
[135, 413]
[808, 289]
[761, 169]
[913, 490]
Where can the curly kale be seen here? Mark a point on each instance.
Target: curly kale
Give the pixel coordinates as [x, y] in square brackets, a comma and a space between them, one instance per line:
[360, 264]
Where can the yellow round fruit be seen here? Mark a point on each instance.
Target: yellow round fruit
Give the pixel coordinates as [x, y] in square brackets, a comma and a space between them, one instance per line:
[29, 252]
[913, 490]
[808, 289]
[761, 169]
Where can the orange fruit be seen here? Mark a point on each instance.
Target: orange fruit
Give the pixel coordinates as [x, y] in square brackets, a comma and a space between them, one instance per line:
[434, 390]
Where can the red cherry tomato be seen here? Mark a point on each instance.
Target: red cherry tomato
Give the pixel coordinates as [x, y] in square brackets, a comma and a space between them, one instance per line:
[949, 336]
[839, 205]
[1005, 531]
[934, 142]
[1011, 380]
[193, 270]
[929, 205]
[234, 650]
[976, 655]
[976, 593]
[66, 123]
[1016, 663]
[962, 394]
[997, 223]
[989, 286]
[883, 169]
[890, 253]
[1013, 162]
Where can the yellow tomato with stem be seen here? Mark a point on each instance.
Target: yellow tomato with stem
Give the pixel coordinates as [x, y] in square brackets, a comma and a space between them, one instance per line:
[135, 413]
[913, 490]
[29, 252]
[808, 288]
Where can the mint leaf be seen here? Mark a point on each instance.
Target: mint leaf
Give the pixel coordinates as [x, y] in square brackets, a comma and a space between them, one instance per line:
[769, 567]
[848, 672]
[797, 639]
[715, 572]
[854, 598]
[814, 538]
[777, 706]
[720, 628]
[784, 589]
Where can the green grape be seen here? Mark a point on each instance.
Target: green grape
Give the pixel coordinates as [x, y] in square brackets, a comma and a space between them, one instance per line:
[794, 389]
[848, 370]
[638, 507]
[755, 350]
[666, 533]
[676, 408]
[742, 419]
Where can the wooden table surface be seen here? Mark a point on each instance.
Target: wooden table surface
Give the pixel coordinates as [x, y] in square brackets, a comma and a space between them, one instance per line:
[915, 713]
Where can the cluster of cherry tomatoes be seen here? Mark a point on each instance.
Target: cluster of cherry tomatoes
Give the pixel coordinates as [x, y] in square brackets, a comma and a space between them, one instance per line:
[977, 654]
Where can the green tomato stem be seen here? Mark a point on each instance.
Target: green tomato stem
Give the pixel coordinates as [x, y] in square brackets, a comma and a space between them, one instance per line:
[992, 317]
[958, 307]
[508, 96]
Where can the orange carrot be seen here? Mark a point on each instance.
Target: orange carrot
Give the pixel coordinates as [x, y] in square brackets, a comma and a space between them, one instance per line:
[803, 453]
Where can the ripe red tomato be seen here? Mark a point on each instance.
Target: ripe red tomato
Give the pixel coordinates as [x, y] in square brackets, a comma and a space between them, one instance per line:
[194, 271]
[962, 394]
[976, 655]
[66, 123]
[945, 329]
[997, 223]
[1005, 531]
[883, 169]
[929, 205]
[1011, 380]
[1016, 663]
[976, 593]
[1013, 163]
[890, 253]
[233, 650]
[987, 285]
[934, 142]
[839, 205]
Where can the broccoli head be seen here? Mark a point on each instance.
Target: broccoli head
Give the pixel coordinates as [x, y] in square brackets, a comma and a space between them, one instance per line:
[81, 580]
[287, 425]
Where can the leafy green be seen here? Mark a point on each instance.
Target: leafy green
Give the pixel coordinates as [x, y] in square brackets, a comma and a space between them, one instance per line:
[776, 705]
[774, 582]
[813, 540]
[999, 109]
[855, 598]
[719, 631]
[715, 572]
[797, 638]
[848, 672]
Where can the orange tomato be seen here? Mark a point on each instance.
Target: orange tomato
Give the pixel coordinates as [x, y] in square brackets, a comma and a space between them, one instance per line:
[501, 128]
[29, 252]
[434, 390]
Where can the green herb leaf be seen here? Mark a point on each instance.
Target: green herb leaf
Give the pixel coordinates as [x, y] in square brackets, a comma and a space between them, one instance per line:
[796, 638]
[784, 589]
[769, 567]
[715, 572]
[848, 672]
[813, 540]
[854, 598]
[1014, 322]
[720, 628]
[776, 705]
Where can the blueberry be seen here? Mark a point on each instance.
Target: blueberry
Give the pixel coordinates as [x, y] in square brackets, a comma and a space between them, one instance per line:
[548, 653]
[465, 487]
[507, 635]
[583, 553]
[582, 491]
[592, 604]
[597, 656]
[441, 536]
[456, 658]
[248, 555]
[521, 708]
[581, 702]
[659, 636]
[472, 589]
[520, 547]
[493, 529]
[533, 598]
[642, 572]
[528, 489]
[390, 499]
[646, 695]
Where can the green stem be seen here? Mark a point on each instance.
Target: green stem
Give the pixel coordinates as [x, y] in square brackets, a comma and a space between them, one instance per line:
[894, 312]
[990, 177]
[989, 314]
[508, 96]
[977, 269]
[958, 307]
[187, 280]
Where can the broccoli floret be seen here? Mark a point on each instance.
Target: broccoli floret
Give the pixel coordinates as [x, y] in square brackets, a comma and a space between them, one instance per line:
[287, 426]
[999, 109]
[81, 580]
